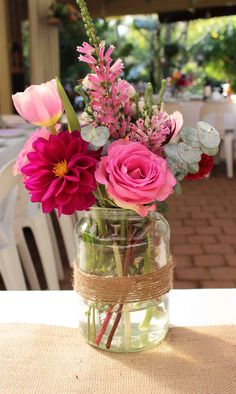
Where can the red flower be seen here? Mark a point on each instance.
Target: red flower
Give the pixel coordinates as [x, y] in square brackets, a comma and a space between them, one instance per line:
[60, 173]
[205, 166]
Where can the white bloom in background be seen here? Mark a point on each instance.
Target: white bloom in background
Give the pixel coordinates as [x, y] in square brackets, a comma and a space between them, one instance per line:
[87, 85]
[131, 91]
[84, 119]
[141, 105]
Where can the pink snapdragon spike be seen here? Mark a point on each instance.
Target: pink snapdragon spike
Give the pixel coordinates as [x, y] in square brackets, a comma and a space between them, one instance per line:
[134, 176]
[110, 97]
[22, 158]
[156, 131]
[40, 105]
[60, 173]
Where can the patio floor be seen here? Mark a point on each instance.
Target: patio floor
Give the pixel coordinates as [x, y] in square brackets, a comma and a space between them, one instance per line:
[203, 232]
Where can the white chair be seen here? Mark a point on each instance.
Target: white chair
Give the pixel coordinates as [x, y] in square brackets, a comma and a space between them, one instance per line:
[29, 215]
[223, 118]
[13, 119]
[10, 265]
[67, 224]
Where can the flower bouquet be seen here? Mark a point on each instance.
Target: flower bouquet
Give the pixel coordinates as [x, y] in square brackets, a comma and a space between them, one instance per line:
[118, 164]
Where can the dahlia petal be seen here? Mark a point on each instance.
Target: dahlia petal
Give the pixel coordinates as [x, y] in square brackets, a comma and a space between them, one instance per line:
[52, 188]
[48, 205]
[63, 192]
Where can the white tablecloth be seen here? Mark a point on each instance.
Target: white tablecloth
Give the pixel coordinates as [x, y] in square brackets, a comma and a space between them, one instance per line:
[191, 110]
[198, 307]
[11, 148]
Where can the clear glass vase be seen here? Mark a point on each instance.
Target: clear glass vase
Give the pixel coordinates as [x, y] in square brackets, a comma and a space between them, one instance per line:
[119, 243]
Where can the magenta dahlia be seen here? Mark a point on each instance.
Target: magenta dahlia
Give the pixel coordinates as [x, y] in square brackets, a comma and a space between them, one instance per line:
[60, 173]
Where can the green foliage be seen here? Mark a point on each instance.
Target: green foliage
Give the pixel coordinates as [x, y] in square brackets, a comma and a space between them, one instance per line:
[88, 24]
[73, 123]
[183, 157]
[71, 35]
[211, 44]
[205, 48]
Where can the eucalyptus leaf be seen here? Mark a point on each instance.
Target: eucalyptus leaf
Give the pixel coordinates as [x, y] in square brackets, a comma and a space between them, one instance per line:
[190, 137]
[208, 151]
[97, 136]
[188, 154]
[193, 168]
[86, 133]
[101, 137]
[72, 120]
[178, 188]
[178, 168]
[171, 151]
[208, 135]
[162, 207]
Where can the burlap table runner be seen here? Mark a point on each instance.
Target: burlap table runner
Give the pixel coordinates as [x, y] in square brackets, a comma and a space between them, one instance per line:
[46, 359]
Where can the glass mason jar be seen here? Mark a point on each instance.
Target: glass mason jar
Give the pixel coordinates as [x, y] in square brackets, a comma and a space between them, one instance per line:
[115, 243]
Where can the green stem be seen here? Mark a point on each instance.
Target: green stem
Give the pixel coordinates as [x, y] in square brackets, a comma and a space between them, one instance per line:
[53, 129]
[118, 262]
[126, 313]
[144, 325]
[88, 316]
[100, 223]
[161, 94]
[93, 325]
[122, 228]
[127, 327]
[147, 257]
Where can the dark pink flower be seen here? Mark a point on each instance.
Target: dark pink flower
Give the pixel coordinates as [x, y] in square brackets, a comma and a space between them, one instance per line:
[206, 164]
[60, 173]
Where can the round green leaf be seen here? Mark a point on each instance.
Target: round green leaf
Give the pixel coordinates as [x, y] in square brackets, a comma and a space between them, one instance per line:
[86, 133]
[193, 168]
[208, 135]
[188, 154]
[178, 168]
[97, 136]
[171, 152]
[101, 137]
[210, 152]
[190, 137]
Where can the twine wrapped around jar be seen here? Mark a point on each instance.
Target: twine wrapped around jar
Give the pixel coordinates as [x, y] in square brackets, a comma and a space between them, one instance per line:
[125, 289]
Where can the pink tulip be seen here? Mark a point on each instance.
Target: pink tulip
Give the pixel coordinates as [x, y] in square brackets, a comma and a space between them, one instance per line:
[40, 105]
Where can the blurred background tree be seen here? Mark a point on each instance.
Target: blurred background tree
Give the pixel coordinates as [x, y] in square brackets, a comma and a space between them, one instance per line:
[204, 48]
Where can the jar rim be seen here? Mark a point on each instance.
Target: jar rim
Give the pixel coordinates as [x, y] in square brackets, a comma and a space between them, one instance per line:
[118, 213]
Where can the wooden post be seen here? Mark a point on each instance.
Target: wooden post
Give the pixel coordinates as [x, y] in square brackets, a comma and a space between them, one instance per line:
[6, 106]
[44, 43]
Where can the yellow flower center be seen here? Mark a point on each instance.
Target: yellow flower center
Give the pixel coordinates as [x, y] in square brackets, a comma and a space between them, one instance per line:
[60, 169]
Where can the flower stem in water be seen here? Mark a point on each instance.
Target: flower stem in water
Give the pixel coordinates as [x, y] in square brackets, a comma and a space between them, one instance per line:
[127, 327]
[114, 327]
[104, 326]
[93, 325]
[144, 325]
[88, 316]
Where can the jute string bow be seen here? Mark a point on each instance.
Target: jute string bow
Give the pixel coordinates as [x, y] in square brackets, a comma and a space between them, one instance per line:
[125, 289]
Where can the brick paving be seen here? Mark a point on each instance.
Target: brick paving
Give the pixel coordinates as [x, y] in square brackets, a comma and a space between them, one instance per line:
[203, 233]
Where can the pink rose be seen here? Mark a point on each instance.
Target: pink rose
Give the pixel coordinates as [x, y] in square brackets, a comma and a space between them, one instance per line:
[40, 105]
[22, 159]
[134, 176]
